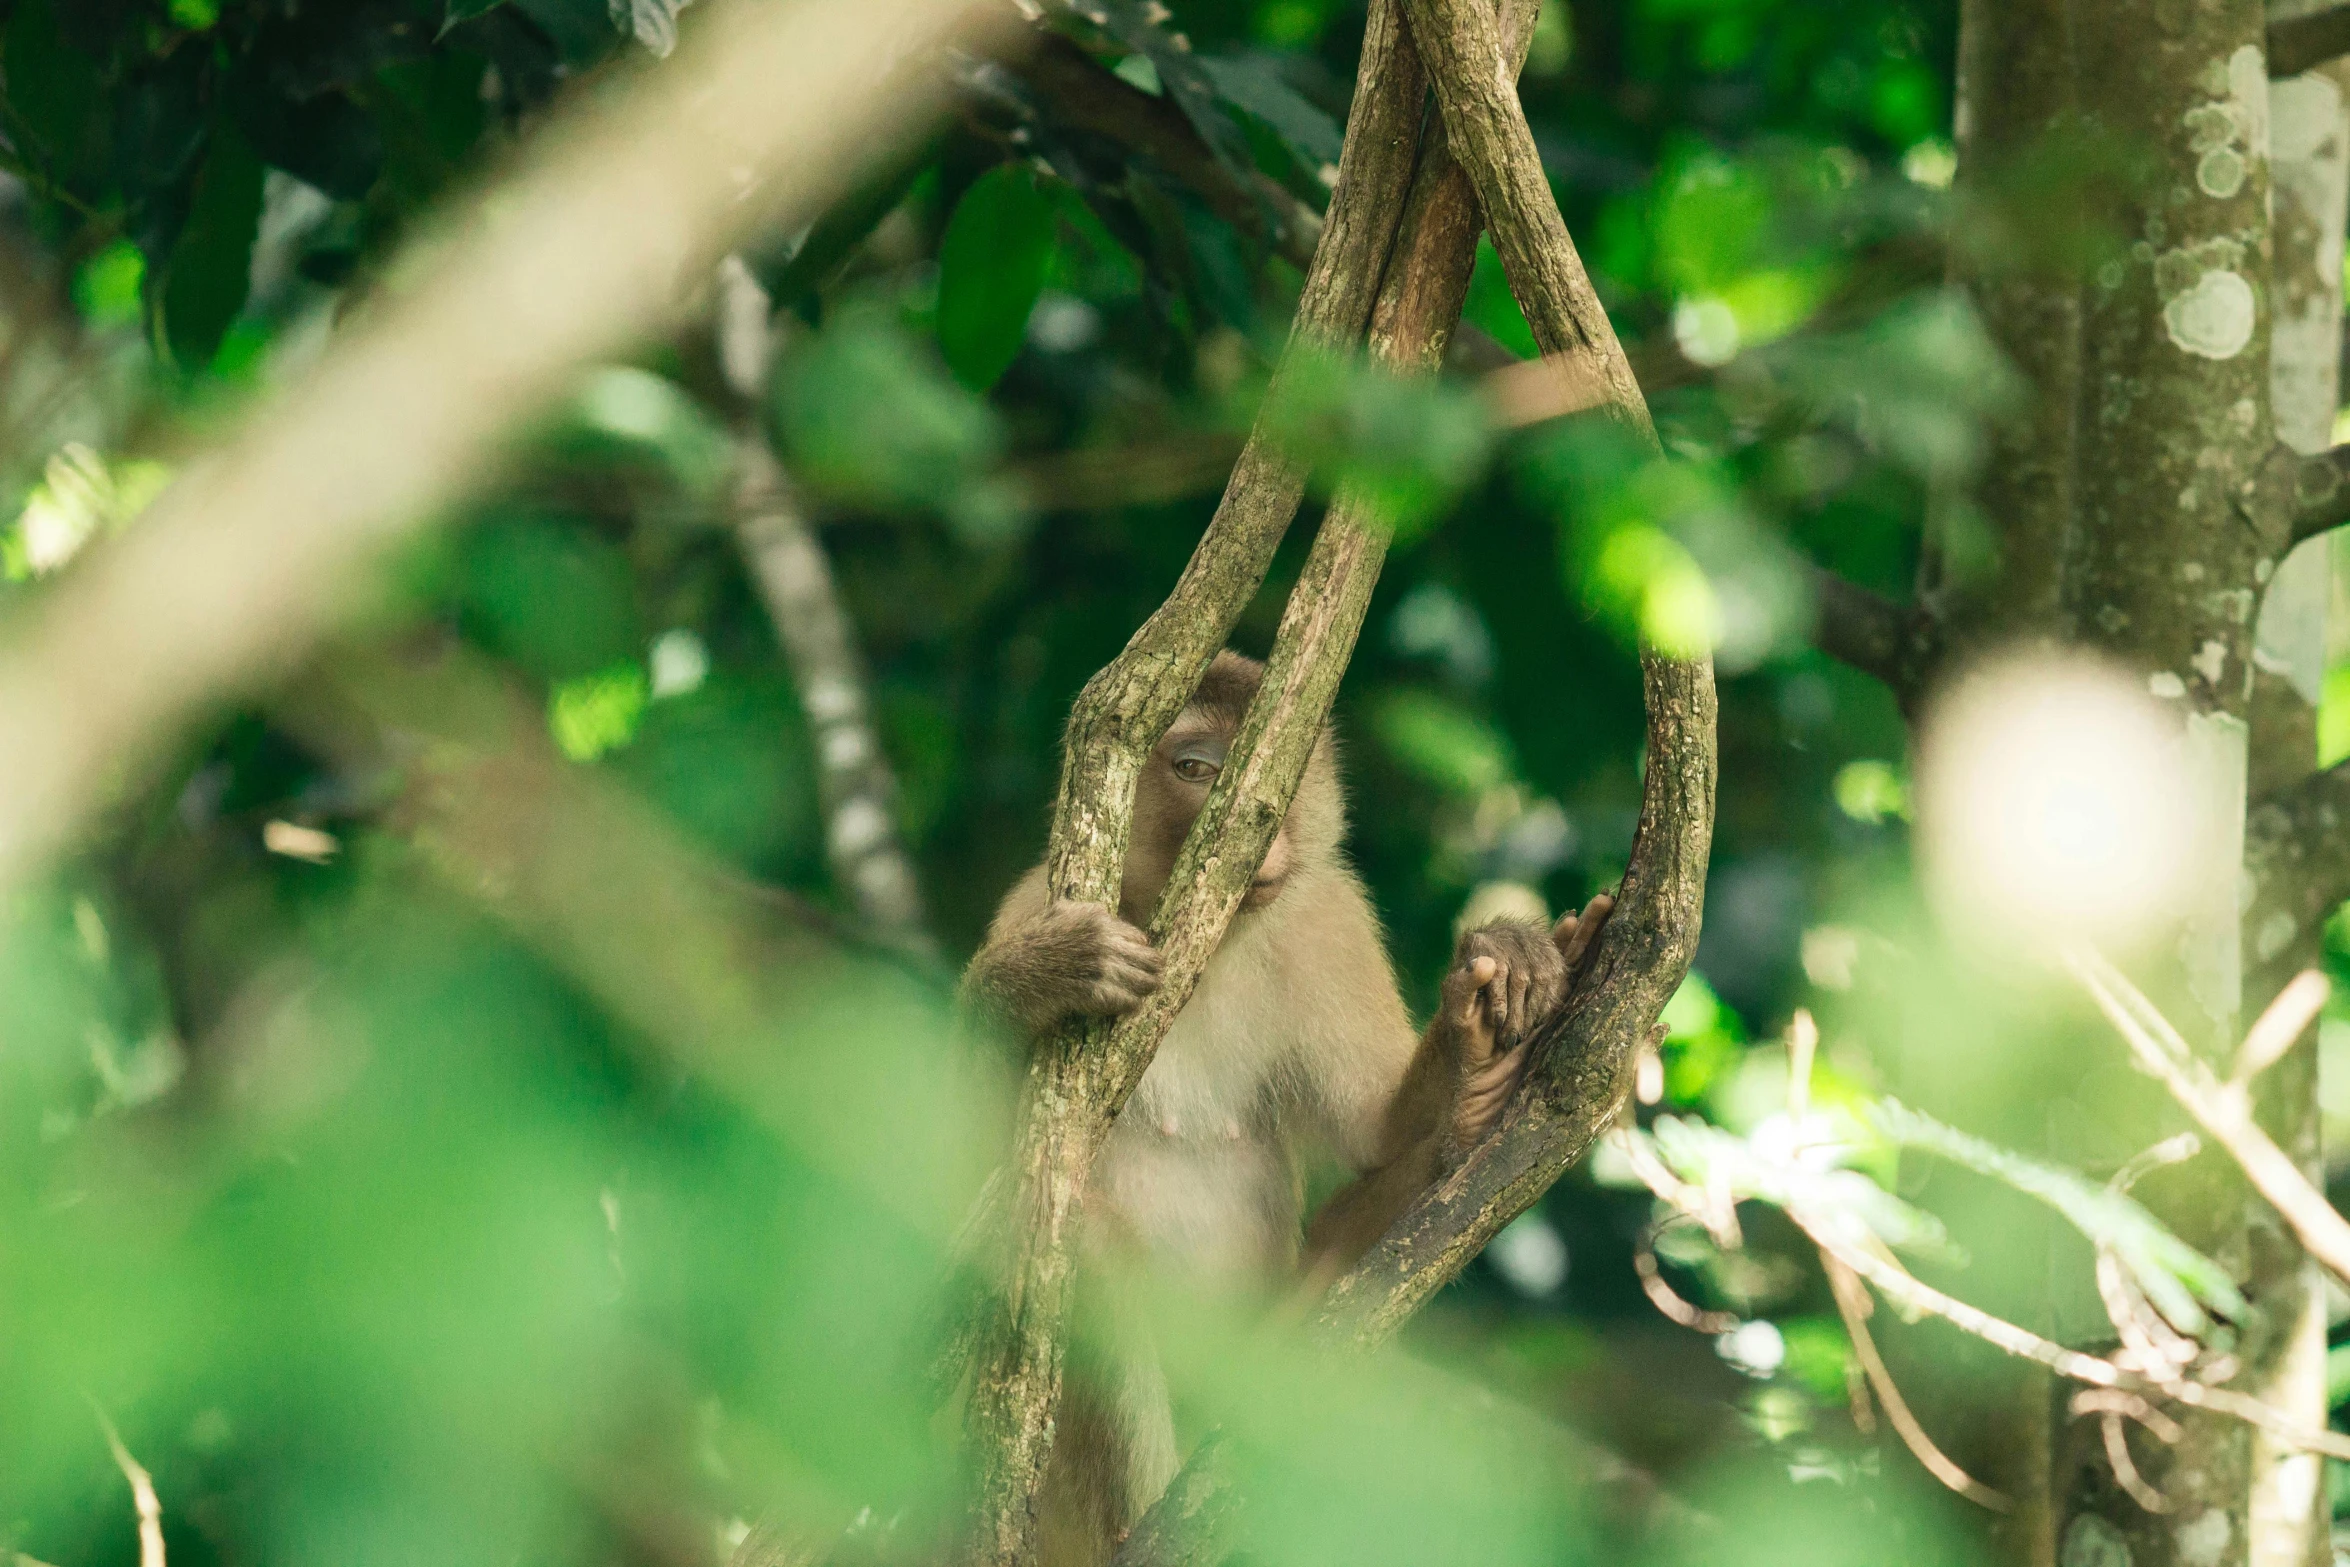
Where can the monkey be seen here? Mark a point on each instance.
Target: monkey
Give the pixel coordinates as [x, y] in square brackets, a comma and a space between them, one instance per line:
[1296, 1039]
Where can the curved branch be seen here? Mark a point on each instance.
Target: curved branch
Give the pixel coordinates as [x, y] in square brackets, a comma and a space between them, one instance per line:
[1584, 1073]
[2302, 43]
[1899, 644]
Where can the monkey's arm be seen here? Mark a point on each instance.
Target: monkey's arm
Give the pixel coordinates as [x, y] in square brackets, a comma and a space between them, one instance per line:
[1044, 960]
[1506, 982]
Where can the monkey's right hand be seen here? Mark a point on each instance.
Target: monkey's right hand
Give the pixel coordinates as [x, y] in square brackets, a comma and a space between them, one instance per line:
[1074, 958]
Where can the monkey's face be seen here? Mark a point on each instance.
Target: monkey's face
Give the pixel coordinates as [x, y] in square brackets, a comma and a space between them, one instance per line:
[1175, 784]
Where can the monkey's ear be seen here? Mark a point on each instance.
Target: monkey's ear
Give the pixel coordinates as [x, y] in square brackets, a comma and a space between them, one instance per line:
[1574, 933]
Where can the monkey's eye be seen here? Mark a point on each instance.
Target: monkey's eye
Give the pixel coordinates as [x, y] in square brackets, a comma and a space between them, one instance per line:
[1194, 769]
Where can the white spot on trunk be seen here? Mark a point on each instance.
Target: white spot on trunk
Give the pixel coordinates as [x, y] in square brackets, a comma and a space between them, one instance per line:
[2212, 320]
[2211, 661]
[2163, 683]
[2274, 936]
[2220, 172]
[2089, 1541]
[2203, 1539]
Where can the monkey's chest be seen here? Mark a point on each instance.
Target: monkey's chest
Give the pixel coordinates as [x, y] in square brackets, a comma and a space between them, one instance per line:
[1196, 1168]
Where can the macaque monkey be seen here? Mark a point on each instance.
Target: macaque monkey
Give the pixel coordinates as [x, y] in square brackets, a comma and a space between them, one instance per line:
[1296, 1040]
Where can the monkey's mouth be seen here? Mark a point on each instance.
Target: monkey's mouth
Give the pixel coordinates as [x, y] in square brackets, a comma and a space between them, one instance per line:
[1263, 891]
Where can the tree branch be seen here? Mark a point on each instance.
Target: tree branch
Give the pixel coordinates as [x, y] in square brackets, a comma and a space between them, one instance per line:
[1898, 644]
[2321, 492]
[794, 582]
[1079, 1079]
[2301, 43]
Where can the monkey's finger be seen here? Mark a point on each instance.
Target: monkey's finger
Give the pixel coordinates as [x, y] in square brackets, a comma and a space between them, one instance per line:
[1521, 986]
[1575, 934]
[1479, 972]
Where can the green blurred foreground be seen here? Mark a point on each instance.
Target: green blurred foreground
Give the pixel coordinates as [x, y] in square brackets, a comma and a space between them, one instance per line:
[428, 1133]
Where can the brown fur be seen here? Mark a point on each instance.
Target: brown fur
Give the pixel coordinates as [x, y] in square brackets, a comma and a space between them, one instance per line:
[1295, 1039]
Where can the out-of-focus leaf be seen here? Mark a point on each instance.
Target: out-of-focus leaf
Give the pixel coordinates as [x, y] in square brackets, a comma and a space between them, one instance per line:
[1441, 741]
[991, 267]
[2179, 1280]
[326, 140]
[1134, 25]
[547, 594]
[797, 266]
[1255, 83]
[641, 414]
[202, 283]
[1409, 443]
[52, 103]
[866, 413]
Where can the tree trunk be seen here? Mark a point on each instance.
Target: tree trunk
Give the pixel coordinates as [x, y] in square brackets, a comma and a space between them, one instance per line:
[2136, 511]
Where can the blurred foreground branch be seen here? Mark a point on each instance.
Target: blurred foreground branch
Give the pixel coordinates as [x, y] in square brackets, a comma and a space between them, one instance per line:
[794, 582]
[765, 113]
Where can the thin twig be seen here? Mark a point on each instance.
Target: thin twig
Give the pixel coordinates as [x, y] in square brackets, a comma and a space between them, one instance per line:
[2222, 1109]
[1854, 1305]
[143, 1497]
[794, 580]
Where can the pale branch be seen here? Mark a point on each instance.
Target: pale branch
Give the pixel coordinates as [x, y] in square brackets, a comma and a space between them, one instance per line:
[1081, 1077]
[2297, 860]
[855, 786]
[144, 1501]
[2321, 492]
[1087, 95]
[2222, 1108]
[1898, 644]
[2302, 43]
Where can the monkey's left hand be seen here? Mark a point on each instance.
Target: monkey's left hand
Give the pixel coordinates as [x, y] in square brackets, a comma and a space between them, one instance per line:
[1507, 982]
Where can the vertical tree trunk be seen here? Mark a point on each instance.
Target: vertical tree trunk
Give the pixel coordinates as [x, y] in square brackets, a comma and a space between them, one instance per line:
[2309, 133]
[2135, 512]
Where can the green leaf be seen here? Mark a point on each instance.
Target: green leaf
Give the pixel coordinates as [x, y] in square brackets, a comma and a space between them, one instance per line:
[201, 286]
[991, 267]
[1255, 83]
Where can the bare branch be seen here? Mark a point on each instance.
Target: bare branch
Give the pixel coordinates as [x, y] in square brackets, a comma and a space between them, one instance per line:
[2302, 43]
[1898, 644]
[148, 1505]
[2224, 1109]
[1854, 1305]
[248, 558]
[794, 582]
